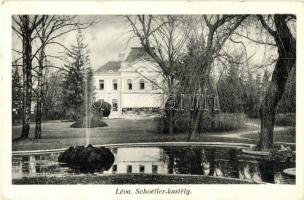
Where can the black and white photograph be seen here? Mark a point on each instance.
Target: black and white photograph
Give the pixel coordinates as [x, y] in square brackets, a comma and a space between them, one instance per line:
[163, 99]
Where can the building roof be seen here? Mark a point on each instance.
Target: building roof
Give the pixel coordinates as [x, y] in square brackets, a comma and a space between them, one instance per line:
[113, 66]
[135, 53]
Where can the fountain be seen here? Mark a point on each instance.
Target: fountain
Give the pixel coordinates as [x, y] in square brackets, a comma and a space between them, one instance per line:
[88, 158]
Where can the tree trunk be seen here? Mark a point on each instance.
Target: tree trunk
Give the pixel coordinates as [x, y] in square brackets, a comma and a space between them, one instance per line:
[39, 98]
[27, 77]
[39, 85]
[194, 134]
[170, 121]
[38, 110]
[286, 61]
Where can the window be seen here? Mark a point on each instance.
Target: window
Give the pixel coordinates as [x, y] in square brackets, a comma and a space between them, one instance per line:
[141, 84]
[129, 169]
[114, 84]
[141, 169]
[154, 169]
[154, 84]
[129, 109]
[129, 82]
[114, 168]
[114, 104]
[25, 158]
[38, 168]
[101, 84]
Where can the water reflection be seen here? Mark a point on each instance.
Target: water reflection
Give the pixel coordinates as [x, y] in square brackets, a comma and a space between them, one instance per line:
[164, 160]
[139, 160]
[36, 165]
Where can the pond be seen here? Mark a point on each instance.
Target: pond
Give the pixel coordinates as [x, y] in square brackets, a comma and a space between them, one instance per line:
[194, 160]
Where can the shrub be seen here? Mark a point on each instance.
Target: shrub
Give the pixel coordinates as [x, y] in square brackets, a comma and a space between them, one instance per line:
[94, 122]
[106, 109]
[285, 119]
[102, 109]
[53, 115]
[227, 122]
[221, 122]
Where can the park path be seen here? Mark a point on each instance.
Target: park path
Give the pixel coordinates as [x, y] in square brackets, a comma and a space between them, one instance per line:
[241, 134]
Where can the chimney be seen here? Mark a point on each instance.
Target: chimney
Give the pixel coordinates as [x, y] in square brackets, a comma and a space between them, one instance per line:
[121, 57]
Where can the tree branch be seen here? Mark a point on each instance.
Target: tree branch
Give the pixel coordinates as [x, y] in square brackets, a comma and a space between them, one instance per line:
[264, 24]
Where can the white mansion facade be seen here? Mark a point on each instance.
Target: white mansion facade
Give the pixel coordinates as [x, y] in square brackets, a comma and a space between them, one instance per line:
[130, 85]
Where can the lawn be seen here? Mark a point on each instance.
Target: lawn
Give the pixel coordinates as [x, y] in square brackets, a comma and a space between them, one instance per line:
[56, 134]
[130, 179]
[287, 135]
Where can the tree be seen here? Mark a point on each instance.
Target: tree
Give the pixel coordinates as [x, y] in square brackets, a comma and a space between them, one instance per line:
[36, 33]
[230, 89]
[41, 61]
[162, 39]
[286, 48]
[209, 33]
[16, 91]
[252, 96]
[77, 64]
[24, 26]
[51, 28]
[287, 103]
[51, 98]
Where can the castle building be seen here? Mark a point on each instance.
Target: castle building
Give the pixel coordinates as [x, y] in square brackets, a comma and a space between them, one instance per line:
[130, 85]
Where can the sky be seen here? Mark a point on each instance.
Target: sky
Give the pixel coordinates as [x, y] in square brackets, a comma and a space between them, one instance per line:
[110, 36]
[106, 39]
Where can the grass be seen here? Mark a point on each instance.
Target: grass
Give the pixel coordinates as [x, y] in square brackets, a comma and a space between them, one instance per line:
[129, 179]
[286, 119]
[286, 135]
[94, 122]
[221, 122]
[228, 122]
[56, 134]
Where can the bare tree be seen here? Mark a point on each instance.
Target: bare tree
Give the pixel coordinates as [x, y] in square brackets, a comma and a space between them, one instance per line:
[209, 33]
[24, 26]
[41, 60]
[278, 27]
[51, 28]
[275, 32]
[52, 99]
[162, 39]
[44, 31]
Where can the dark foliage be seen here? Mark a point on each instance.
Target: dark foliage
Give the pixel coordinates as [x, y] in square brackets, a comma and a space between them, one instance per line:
[102, 109]
[88, 158]
[73, 94]
[285, 119]
[16, 96]
[219, 123]
[94, 122]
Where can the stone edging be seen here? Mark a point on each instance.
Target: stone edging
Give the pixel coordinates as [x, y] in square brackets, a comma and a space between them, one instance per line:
[257, 153]
[146, 144]
[263, 154]
[290, 171]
